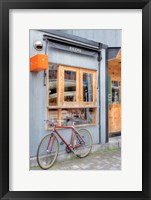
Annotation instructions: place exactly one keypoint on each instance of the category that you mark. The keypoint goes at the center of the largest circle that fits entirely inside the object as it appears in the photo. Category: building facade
(74, 86)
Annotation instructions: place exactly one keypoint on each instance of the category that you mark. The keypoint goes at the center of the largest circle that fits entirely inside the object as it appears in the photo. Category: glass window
(115, 92)
(69, 85)
(53, 72)
(53, 114)
(115, 83)
(115, 96)
(87, 87)
(78, 116)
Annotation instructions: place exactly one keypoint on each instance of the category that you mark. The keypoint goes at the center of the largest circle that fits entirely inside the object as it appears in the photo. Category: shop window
(72, 94)
(53, 72)
(116, 92)
(78, 116)
(53, 114)
(69, 85)
(87, 87)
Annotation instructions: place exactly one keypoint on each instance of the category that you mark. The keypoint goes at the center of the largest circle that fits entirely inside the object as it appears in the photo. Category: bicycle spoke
(47, 151)
(82, 144)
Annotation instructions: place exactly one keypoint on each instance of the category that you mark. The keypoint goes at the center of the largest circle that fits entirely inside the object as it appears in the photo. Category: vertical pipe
(107, 110)
(45, 74)
(99, 85)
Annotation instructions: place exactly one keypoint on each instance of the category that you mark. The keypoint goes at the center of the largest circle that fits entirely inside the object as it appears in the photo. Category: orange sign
(38, 62)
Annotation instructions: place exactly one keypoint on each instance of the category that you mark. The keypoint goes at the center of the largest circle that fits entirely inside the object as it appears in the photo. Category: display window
(71, 94)
(116, 92)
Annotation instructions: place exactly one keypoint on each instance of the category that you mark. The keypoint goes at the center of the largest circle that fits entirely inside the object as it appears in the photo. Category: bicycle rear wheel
(47, 151)
(82, 149)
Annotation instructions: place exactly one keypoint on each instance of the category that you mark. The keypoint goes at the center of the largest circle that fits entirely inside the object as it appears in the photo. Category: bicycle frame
(73, 131)
(49, 147)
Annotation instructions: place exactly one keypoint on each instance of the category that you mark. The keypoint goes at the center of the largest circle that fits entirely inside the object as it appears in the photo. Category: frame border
(5, 5)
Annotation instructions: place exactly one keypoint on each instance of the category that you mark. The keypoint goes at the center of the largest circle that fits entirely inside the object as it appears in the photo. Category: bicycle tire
(47, 151)
(86, 136)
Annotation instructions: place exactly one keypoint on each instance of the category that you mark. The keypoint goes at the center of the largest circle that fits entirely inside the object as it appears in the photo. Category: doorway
(114, 83)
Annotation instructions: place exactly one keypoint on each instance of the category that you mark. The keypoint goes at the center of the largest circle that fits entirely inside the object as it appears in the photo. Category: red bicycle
(80, 144)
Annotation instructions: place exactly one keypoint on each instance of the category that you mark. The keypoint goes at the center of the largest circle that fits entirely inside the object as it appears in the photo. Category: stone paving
(104, 160)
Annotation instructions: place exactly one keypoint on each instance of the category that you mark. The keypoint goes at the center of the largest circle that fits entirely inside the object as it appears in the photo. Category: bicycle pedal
(61, 143)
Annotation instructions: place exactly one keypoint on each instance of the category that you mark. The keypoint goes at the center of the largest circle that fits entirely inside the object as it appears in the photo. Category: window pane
(53, 85)
(87, 87)
(115, 92)
(52, 115)
(78, 116)
(69, 86)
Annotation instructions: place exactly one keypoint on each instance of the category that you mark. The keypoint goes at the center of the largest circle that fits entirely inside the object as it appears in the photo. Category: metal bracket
(45, 75)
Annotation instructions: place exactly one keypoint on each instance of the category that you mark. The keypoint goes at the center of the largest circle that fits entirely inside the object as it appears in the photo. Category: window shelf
(76, 106)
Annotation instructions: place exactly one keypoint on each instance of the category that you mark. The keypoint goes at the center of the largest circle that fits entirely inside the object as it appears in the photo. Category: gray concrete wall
(38, 93)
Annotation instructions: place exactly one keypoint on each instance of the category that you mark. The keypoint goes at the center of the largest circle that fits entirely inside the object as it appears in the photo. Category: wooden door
(114, 118)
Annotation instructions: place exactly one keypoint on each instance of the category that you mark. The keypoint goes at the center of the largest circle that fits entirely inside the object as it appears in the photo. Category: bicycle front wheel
(47, 151)
(82, 147)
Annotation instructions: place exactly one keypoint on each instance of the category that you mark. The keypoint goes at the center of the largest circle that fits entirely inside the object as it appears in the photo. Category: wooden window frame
(79, 103)
(65, 103)
(93, 72)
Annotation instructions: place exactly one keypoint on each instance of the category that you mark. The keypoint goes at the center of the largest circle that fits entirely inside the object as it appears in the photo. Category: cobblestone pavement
(106, 160)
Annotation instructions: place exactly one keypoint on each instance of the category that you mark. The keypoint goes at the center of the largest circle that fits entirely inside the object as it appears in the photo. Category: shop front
(72, 86)
(114, 81)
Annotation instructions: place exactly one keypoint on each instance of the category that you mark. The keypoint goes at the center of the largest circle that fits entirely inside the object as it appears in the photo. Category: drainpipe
(45, 74)
(99, 87)
(107, 135)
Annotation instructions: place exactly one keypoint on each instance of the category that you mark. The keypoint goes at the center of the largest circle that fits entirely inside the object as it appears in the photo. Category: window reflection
(115, 92)
(69, 86)
(78, 116)
(87, 87)
(53, 114)
(53, 85)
